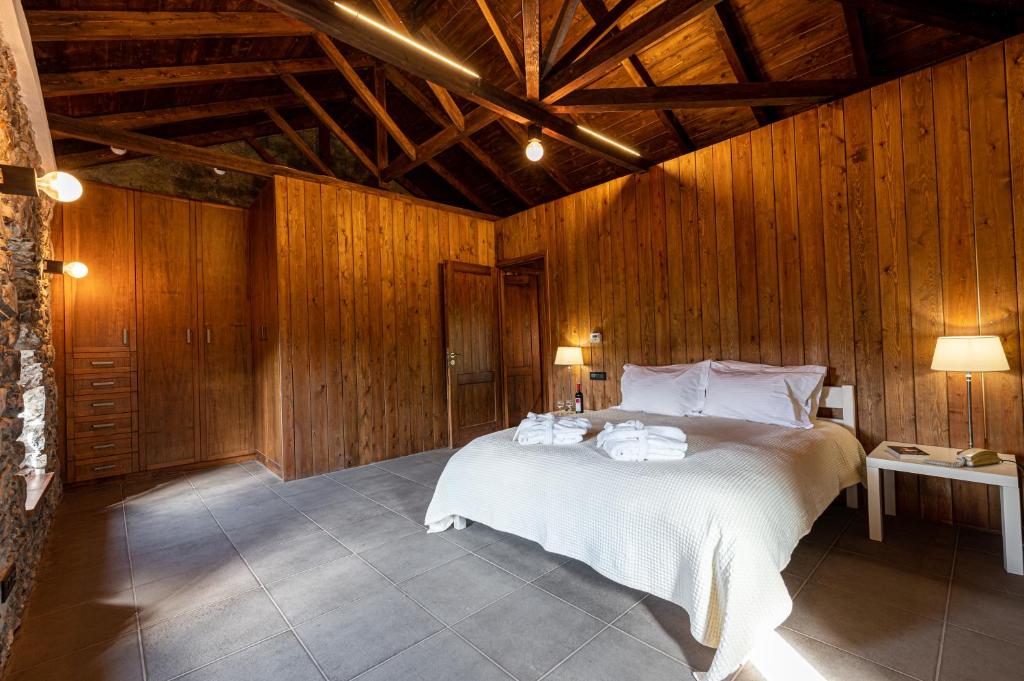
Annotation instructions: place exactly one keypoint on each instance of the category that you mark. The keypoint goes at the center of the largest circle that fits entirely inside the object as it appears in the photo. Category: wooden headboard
(841, 399)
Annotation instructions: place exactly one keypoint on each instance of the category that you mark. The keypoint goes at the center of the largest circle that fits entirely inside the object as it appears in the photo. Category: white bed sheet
(711, 532)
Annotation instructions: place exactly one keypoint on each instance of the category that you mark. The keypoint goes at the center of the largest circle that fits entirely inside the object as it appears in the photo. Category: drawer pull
(209, 338)
(103, 384)
(188, 336)
(99, 426)
(102, 363)
(102, 404)
(105, 445)
(124, 336)
(105, 467)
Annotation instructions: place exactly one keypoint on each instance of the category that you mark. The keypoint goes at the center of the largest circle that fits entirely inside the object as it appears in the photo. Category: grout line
(945, 612)
(832, 545)
(850, 653)
(135, 597)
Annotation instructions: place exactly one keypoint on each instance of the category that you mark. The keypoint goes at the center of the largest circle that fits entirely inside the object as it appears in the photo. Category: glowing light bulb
(534, 150)
(76, 269)
(219, 171)
(60, 186)
(119, 151)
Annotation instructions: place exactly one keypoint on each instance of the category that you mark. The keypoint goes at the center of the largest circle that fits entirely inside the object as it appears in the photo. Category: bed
(711, 532)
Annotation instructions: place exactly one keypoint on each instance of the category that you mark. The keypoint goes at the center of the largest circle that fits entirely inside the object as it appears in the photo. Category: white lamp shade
(569, 356)
(969, 353)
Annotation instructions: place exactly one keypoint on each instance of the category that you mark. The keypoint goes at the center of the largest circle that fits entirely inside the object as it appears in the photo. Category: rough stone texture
(28, 393)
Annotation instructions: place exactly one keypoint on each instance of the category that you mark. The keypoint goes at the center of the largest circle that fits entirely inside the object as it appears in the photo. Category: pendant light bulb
(534, 150)
(219, 171)
(76, 269)
(118, 151)
(60, 186)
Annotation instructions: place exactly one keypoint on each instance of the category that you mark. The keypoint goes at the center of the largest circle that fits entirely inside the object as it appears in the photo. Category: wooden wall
(359, 320)
(851, 236)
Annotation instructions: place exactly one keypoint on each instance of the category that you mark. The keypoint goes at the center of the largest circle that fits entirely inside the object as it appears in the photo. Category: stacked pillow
(784, 396)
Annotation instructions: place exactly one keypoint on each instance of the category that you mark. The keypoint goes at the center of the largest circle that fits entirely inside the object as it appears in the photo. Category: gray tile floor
(231, 574)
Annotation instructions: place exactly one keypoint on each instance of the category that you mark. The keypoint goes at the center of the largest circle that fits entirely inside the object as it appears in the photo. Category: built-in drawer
(101, 364)
(82, 450)
(100, 384)
(103, 468)
(101, 426)
(97, 405)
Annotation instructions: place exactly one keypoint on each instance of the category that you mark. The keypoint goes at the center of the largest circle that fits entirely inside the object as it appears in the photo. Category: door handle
(209, 338)
(188, 336)
(452, 356)
(124, 336)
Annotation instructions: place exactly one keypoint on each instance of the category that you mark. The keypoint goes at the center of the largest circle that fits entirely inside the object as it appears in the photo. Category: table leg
(874, 505)
(1013, 553)
(889, 490)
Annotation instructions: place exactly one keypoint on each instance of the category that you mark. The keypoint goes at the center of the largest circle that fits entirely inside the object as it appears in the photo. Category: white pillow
(782, 398)
(676, 390)
(815, 397)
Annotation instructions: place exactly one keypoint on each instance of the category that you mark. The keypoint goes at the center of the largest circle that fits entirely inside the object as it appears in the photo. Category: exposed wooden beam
(387, 9)
(376, 106)
(531, 47)
(503, 176)
(260, 150)
(332, 125)
(499, 36)
(558, 34)
(459, 186)
(858, 42)
(603, 25)
(74, 26)
(416, 96)
(122, 80)
(990, 22)
(380, 94)
(323, 15)
(645, 31)
(296, 139)
(708, 96)
(447, 138)
(738, 53)
(547, 164)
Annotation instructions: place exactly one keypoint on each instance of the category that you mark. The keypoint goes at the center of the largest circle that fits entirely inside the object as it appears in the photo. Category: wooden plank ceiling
(203, 72)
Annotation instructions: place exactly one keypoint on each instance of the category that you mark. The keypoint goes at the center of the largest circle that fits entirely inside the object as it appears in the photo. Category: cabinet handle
(102, 404)
(102, 384)
(188, 336)
(107, 445)
(124, 336)
(100, 426)
(103, 363)
(105, 467)
(209, 339)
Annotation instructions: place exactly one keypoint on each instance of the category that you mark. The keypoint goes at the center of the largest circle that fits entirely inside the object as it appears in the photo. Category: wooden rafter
(381, 137)
(531, 47)
(447, 138)
(548, 165)
(420, 100)
(858, 43)
(325, 119)
(603, 25)
(296, 139)
(734, 43)
(499, 36)
(459, 186)
(708, 96)
(602, 58)
(959, 16)
(73, 25)
(558, 34)
(260, 150)
(323, 145)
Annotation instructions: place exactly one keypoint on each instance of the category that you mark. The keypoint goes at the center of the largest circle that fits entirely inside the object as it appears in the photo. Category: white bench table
(1003, 475)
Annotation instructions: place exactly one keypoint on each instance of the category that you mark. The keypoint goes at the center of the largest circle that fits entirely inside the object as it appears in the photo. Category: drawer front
(101, 364)
(101, 426)
(104, 468)
(119, 445)
(97, 405)
(100, 384)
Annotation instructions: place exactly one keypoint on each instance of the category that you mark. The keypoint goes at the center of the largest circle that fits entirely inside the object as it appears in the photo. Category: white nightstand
(1003, 475)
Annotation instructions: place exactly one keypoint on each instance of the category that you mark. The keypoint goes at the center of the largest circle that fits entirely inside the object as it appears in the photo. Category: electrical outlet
(598, 376)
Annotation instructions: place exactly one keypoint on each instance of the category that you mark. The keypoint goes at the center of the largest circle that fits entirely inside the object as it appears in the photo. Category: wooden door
(168, 329)
(472, 350)
(227, 382)
(520, 346)
(99, 231)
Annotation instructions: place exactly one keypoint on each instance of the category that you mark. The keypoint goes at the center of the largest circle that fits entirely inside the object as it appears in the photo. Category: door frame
(536, 263)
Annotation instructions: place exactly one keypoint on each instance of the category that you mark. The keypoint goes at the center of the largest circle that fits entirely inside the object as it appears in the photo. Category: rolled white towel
(633, 441)
(547, 429)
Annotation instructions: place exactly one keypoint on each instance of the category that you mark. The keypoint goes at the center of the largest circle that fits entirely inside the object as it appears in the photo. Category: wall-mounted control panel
(595, 337)
(598, 376)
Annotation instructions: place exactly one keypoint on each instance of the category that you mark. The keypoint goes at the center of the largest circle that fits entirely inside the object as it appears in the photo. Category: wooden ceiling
(659, 76)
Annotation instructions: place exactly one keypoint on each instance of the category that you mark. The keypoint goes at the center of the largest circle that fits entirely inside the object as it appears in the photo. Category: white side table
(1003, 475)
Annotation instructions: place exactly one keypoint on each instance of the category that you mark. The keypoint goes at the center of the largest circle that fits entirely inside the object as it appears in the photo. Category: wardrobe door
(168, 331)
(227, 380)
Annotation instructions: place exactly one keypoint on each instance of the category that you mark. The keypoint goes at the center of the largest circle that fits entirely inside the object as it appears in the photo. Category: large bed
(711, 532)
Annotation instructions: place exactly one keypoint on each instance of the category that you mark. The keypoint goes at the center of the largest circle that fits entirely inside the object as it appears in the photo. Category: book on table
(907, 452)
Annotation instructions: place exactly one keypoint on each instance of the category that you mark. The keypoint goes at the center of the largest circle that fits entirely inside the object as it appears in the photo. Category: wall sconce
(74, 269)
(58, 185)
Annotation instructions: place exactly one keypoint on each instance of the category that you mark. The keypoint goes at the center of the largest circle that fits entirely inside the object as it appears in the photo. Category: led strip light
(609, 140)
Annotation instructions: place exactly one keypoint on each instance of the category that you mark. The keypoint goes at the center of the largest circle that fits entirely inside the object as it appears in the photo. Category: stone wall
(28, 394)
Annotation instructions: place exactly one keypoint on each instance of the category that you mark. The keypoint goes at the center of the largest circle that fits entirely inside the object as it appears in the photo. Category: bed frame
(841, 398)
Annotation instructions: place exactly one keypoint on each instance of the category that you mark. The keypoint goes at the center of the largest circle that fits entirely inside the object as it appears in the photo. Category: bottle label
(579, 405)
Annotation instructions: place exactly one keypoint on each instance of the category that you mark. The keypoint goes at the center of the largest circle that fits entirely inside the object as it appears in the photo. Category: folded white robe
(547, 429)
(633, 441)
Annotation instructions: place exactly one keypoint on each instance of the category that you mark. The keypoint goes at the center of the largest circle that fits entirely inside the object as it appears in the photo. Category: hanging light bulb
(219, 171)
(118, 151)
(534, 148)
(76, 269)
(60, 186)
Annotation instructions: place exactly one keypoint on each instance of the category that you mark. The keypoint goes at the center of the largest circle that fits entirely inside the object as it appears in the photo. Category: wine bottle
(579, 399)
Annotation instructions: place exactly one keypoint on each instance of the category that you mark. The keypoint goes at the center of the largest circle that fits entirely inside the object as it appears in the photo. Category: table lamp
(569, 356)
(969, 354)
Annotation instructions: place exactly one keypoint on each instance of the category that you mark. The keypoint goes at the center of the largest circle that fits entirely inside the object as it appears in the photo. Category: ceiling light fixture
(609, 140)
(118, 151)
(405, 39)
(219, 171)
(534, 148)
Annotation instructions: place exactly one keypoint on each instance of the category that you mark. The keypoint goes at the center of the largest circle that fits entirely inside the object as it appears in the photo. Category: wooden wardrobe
(156, 337)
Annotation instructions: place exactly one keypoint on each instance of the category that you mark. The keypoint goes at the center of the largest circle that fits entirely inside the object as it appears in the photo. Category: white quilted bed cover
(711, 532)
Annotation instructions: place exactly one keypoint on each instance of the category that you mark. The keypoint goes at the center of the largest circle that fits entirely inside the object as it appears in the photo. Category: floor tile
(89, 499)
(967, 656)
(340, 513)
(821, 661)
(312, 500)
(460, 588)
(368, 533)
(979, 540)
(254, 512)
(188, 591)
(252, 539)
(277, 659)
(56, 589)
(157, 533)
(613, 656)
(409, 556)
(582, 586)
(522, 557)
(986, 571)
(528, 632)
(288, 558)
(805, 559)
(474, 536)
(887, 635)
(190, 556)
(666, 626)
(304, 596)
(348, 641)
(442, 657)
(184, 643)
(319, 483)
(899, 547)
(995, 613)
(364, 477)
(114, 660)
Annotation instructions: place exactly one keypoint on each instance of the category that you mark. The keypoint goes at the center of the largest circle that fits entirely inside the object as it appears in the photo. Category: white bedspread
(710, 532)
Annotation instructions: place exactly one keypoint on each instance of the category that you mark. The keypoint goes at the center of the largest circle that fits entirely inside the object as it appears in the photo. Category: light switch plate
(595, 337)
